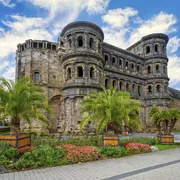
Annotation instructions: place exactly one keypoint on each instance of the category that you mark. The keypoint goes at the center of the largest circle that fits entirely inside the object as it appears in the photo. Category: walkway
(159, 165)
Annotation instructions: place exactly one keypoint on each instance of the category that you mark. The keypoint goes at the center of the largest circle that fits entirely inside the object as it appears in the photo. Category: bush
(108, 151)
(40, 156)
(7, 153)
(75, 154)
(82, 141)
(142, 140)
(136, 148)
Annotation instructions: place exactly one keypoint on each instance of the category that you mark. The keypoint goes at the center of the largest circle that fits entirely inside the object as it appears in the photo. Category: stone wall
(80, 62)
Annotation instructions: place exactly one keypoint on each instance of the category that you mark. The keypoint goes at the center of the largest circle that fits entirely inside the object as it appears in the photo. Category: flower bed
(75, 154)
(136, 148)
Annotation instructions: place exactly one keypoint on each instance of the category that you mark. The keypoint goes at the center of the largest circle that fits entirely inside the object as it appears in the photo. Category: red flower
(135, 148)
(22, 150)
(80, 153)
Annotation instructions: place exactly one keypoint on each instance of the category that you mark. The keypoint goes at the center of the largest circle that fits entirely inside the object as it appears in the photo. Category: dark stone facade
(80, 62)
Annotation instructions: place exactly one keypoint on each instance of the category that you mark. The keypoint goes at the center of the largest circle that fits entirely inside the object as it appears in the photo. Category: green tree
(164, 120)
(22, 101)
(110, 108)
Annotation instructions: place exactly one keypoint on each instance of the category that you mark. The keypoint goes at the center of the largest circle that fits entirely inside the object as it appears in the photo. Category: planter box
(165, 139)
(125, 133)
(17, 141)
(4, 128)
(110, 141)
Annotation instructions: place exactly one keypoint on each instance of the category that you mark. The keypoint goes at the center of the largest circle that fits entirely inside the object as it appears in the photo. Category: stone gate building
(80, 62)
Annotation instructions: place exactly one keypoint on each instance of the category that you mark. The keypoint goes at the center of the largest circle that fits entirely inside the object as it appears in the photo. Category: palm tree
(164, 120)
(110, 108)
(22, 101)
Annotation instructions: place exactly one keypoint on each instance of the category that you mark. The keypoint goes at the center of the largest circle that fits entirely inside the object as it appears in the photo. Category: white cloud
(9, 41)
(22, 23)
(9, 73)
(174, 70)
(160, 23)
(118, 25)
(124, 27)
(7, 3)
(71, 6)
(173, 44)
(20, 28)
(119, 18)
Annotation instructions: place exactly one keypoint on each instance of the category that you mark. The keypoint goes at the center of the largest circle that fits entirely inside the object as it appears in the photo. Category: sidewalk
(158, 165)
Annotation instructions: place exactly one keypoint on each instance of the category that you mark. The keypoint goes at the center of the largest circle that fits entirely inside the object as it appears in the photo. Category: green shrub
(40, 156)
(4, 160)
(11, 153)
(82, 141)
(142, 140)
(7, 153)
(108, 151)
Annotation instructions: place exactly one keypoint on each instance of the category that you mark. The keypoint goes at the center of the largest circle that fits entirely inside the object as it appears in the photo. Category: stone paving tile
(171, 172)
(103, 169)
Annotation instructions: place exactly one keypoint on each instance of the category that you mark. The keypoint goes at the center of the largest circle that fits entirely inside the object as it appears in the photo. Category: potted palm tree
(108, 110)
(22, 101)
(165, 121)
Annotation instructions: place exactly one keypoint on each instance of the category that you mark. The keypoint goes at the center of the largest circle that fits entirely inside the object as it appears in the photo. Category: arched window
(99, 47)
(133, 88)
(132, 66)
(106, 58)
(165, 88)
(80, 41)
(157, 68)
(138, 68)
(54, 47)
(149, 89)
(70, 42)
(158, 88)
(139, 90)
(91, 41)
(36, 77)
(126, 64)
(114, 83)
(79, 71)
(68, 73)
(113, 60)
(127, 86)
(106, 83)
(156, 48)
(120, 62)
(147, 49)
(149, 69)
(120, 86)
(34, 44)
(91, 72)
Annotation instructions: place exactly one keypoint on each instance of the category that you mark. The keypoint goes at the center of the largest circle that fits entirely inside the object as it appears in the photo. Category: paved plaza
(153, 166)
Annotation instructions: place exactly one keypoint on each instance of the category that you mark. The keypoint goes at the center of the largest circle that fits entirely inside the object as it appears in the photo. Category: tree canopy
(22, 100)
(110, 108)
(164, 120)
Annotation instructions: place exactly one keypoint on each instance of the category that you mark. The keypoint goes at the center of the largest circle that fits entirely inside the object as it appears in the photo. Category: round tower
(82, 65)
(155, 71)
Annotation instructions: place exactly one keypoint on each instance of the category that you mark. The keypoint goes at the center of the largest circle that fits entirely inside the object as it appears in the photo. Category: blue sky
(123, 21)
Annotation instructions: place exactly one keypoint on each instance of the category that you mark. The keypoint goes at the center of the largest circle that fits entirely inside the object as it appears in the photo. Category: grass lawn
(5, 132)
(177, 130)
(165, 147)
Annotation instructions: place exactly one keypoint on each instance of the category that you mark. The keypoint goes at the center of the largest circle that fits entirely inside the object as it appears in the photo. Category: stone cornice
(122, 51)
(81, 53)
(81, 24)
